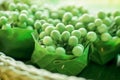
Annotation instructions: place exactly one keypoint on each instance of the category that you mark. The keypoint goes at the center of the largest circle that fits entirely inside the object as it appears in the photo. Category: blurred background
(92, 5)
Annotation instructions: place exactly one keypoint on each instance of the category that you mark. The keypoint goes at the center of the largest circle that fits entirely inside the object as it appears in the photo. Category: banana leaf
(95, 71)
(103, 52)
(65, 64)
(17, 43)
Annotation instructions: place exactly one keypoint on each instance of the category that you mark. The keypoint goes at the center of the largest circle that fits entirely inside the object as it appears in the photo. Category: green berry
(106, 37)
(3, 20)
(30, 21)
(116, 13)
(73, 41)
(6, 26)
(56, 21)
(37, 24)
(22, 24)
(12, 6)
(38, 15)
(107, 21)
(33, 8)
(60, 27)
(102, 28)
(91, 26)
(75, 12)
(61, 13)
(45, 25)
(79, 25)
(91, 36)
(83, 32)
(85, 18)
(30, 28)
(42, 35)
(92, 18)
(67, 16)
(24, 12)
(51, 21)
(54, 15)
(60, 51)
(74, 20)
(101, 15)
(19, 6)
(65, 36)
(49, 29)
(81, 46)
(50, 48)
(42, 21)
(47, 40)
(69, 28)
(77, 51)
(44, 17)
(14, 15)
(55, 34)
(98, 22)
(117, 20)
(76, 33)
(25, 7)
(118, 33)
(23, 17)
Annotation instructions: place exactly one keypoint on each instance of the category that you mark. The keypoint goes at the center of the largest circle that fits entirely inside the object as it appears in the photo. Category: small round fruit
(67, 16)
(77, 51)
(47, 40)
(107, 21)
(91, 26)
(118, 33)
(12, 6)
(60, 27)
(91, 36)
(83, 32)
(101, 15)
(69, 28)
(55, 34)
(117, 20)
(73, 41)
(102, 28)
(79, 25)
(23, 17)
(60, 51)
(98, 22)
(3, 20)
(49, 29)
(76, 33)
(30, 21)
(50, 48)
(65, 36)
(37, 24)
(85, 18)
(106, 37)
(42, 35)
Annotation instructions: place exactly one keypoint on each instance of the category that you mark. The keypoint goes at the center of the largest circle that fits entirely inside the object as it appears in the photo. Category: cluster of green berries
(65, 30)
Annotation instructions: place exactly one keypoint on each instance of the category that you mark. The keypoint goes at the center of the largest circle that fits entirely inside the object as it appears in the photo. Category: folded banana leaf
(103, 52)
(95, 71)
(17, 43)
(65, 64)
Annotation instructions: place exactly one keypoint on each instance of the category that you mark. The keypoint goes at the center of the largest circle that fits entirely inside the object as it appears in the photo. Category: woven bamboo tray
(17, 70)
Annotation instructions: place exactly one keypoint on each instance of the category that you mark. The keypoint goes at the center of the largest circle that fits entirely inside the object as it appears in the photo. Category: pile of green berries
(59, 30)
(65, 30)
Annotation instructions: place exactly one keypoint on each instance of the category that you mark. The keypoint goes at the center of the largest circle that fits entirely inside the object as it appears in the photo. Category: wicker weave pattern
(17, 70)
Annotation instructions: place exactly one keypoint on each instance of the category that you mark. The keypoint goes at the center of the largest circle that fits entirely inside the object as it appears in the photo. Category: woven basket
(17, 70)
